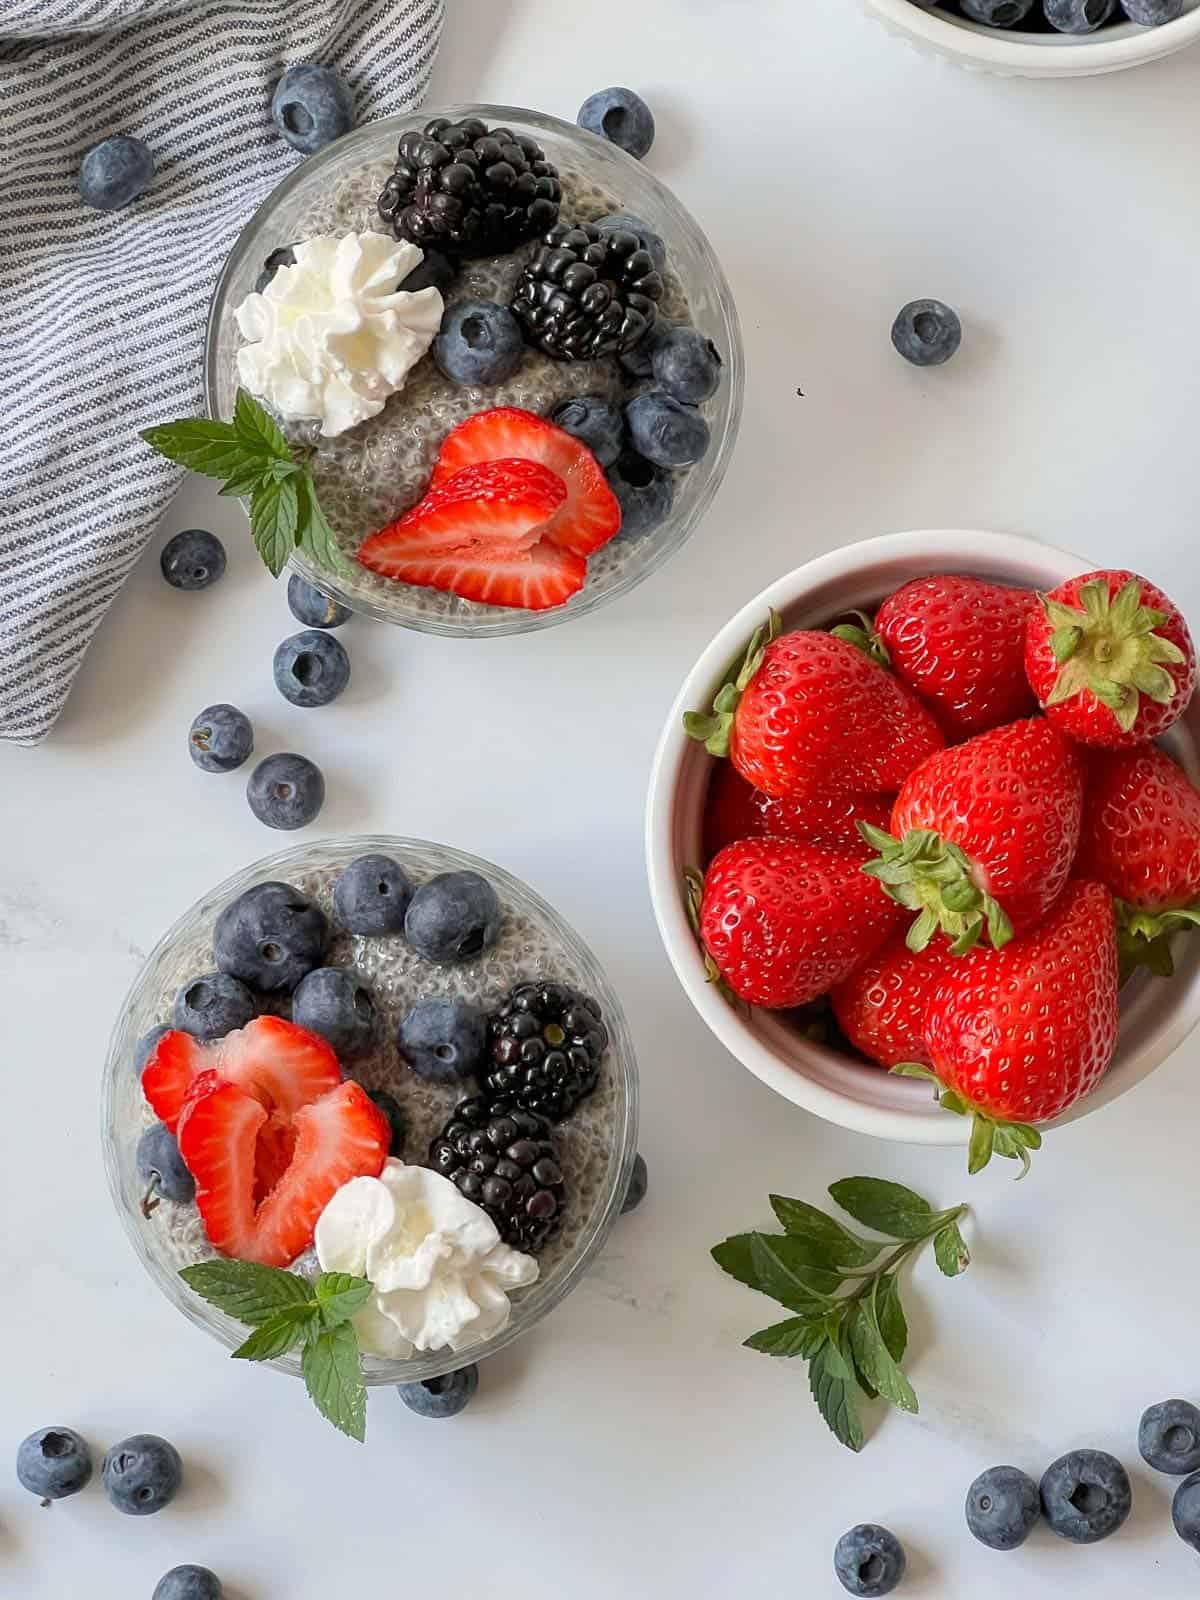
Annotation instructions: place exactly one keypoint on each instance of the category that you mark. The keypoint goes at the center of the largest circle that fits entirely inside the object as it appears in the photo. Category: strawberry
(1141, 839)
(496, 505)
(733, 810)
(806, 713)
(532, 580)
(591, 515)
(270, 1217)
(1110, 659)
(881, 1006)
(983, 835)
(1015, 1036)
(782, 921)
(282, 1066)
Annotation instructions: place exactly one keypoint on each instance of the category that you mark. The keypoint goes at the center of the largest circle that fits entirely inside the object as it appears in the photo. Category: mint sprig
(284, 1311)
(252, 458)
(848, 1320)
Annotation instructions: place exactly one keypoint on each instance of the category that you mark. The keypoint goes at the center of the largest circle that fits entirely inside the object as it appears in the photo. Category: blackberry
(588, 292)
(469, 190)
(547, 1042)
(503, 1158)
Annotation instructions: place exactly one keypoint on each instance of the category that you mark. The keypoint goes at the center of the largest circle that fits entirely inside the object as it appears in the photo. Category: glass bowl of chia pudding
(377, 470)
(597, 1142)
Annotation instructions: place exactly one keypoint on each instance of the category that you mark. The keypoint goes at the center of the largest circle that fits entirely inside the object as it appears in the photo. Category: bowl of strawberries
(923, 837)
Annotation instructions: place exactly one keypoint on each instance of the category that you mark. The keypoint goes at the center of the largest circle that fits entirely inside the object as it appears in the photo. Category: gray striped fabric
(102, 313)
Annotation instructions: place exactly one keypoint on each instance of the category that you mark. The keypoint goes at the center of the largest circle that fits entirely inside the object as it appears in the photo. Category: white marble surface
(630, 1447)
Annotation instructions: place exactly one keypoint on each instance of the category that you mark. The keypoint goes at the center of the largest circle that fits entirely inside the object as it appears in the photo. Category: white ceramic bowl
(1012, 53)
(1156, 1014)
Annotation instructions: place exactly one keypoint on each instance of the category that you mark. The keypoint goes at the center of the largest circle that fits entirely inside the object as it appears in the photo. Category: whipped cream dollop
(332, 337)
(441, 1272)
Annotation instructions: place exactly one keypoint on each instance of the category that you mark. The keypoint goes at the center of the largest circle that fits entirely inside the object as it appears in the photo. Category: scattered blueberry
(213, 1005)
(396, 1120)
(441, 1397)
(1086, 1495)
(1152, 13)
(193, 559)
(666, 433)
(286, 791)
(869, 1560)
(996, 14)
(372, 896)
(435, 271)
(686, 365)
(147, 1045)
(443, 1040)
(594, 423)
(1003, 1507)
(54, 1463)
(1185, 1511)
(480, 344)
(114, 172)
(311, 668)
(454, 917)
(188, 1583)
(285, 256)
(314, 609)
(927, 333)
(333, 1003)
(220, 739)
(626, 222)
(1078, 16)
(621, 117)
(159, 1164)
(270, 937)
(639, 1182)
(312, 106)
(645, 494)
(142, 1474)
(1169, 1437)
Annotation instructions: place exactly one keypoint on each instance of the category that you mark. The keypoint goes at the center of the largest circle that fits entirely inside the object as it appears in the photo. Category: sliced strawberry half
(280, 1065)
(591, 515)
(342, 1135)
(533, 580)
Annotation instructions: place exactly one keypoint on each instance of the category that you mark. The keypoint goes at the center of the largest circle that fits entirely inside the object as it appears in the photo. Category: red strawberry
(808, 713)
(279, 1064)
(783, 921)
(500, 506)
(881, 1006)
(342, 1135)
(591, 515)
(1110, 659)
(960, 644)
(1018, 1035)
(983, 835)
(733, 810)
(532, 580)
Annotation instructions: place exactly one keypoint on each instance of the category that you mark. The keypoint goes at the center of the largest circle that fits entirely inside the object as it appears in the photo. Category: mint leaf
(893, 1324)
(832, 1384)
(276, 1336)
(873, 1359)
(212, 448)
(247, 479)
(316, 538)
(762, 1262)
(258, 429)
(841, 1247)
(887, 1207)
(339, 1296)
(798, 1336)
(244, 1290)
(274, 512)
(333, 1376)
(950, 1250)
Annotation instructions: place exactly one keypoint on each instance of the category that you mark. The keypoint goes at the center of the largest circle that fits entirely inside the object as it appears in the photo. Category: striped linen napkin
(102, 313)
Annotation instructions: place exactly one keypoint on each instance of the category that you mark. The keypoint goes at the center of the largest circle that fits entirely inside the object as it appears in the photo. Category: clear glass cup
(598, 1144)
(621, 565)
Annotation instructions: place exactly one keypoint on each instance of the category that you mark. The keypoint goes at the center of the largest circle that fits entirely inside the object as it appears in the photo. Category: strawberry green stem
(1144, 937)
(990, 1136)
(1108, 646)
(863, 637)
(927, 874)
(712, 729)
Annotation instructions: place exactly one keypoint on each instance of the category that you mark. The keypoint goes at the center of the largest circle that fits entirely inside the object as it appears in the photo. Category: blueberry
(686, 365)
(142, 1474)
(1152, 13)
(147, 1045)
(441, 1397)
(114, 172)
(997, 13)
(621, 117)
(454, 917)
(1086, 1496)
(285, 256)
(639, 1182)
(435, 271)
(54, 1463)
(161, 1168)
(336, 1005)
(213, 1005)
(312, 106)
(270, 937)
(286, 791)
(193, 559)
(396, 1120)
(480, 344)
(311, 668)
(372, 896)
(314, 609)
(927, 333)
(220, 738)
(1078, 16)
(666, 433)
(443, 1040)
(1169, 1437)
(639, 362)
(188, 1583)
(1003, 1507)
(1185, 1511)
(869, 1560)
(644, 494)
(626, 222)
(594, 423)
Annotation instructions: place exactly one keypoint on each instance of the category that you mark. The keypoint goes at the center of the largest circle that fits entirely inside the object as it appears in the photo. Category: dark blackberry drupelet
(547, 1043)
(503, 1158)
(588, 292)
(469, 190)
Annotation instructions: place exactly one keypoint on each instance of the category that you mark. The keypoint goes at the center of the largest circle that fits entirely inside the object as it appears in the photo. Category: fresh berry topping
(441, 1397)
(686, 364)
(595, 423)
(148, 1044)
(869, 1561)
(881, 1007)
(626, 222)
(286, 791)
(480, 344)
(433, 271)
(285, 256)
(314, 609)
(311, 668)
(620, 116)
(588, 293)
(332, 1002)
(395, 1118)
(1003, 1508)
(503, 1158)
(270, 936)
(54, 1463)
(644, 493)
(312, 106)
(453, 917)
(161, 1168)
(666, 433)
(114, 172)
(1169, 1437)
(142, 1474)
(532, 580)
(220, 739)
(1086, 1496)
(443, 1039)
(214, 1004)
(639, 1183)
(193, 559)
(372, 895)
(734, 810)
(547, 1043)
(926, 332)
